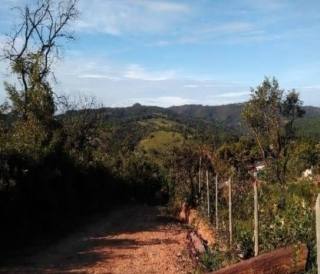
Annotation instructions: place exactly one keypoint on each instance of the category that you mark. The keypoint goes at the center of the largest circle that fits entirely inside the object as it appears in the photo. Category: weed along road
(137, 239)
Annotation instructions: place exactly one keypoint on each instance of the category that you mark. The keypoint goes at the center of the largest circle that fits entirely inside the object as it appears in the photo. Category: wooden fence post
(318, 230)
(199, 182)
(256, 222)
(208, 194)
(230, 211)
(216, 202)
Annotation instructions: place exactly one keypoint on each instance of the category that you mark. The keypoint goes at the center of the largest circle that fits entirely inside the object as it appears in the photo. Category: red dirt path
(136, 239)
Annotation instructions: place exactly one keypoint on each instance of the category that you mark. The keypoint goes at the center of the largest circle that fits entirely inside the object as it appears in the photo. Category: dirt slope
(129, 240)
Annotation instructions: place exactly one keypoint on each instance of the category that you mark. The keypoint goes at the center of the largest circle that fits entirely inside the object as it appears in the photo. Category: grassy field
(159, 143)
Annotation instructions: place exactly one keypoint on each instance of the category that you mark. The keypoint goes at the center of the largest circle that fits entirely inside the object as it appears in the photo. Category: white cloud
(267, 5)
(135, 71)
(130, 16)
(12, 3)
(123, 85)
(96, 69)
(165, 6)
(230, 27)
(246, 21)
(234, 95)
(132, 71)
(235, 31)
(98, 76)
(191, 86)
(162, 101)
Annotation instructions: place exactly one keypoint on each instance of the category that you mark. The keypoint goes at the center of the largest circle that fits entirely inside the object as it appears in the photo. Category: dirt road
(136, 239)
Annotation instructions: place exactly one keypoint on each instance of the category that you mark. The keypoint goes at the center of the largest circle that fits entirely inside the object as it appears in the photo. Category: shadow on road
(101, 241)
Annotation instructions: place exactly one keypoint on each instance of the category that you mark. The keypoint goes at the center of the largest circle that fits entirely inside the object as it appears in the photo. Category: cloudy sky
(162, 52)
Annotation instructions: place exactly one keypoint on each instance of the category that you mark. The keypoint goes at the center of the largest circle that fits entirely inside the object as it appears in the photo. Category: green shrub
(246, 243)
(212, 259)
(287, 218)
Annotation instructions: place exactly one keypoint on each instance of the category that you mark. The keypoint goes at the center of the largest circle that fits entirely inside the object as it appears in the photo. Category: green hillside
(220, 120)
(159, 143)
(309, 127)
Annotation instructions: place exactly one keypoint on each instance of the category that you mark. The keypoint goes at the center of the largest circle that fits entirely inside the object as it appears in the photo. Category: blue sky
(161, 52)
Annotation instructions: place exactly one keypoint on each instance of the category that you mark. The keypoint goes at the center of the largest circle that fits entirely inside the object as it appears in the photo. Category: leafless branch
(41, 30)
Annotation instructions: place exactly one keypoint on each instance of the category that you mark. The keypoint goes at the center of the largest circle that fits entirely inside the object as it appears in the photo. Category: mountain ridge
(228, 114)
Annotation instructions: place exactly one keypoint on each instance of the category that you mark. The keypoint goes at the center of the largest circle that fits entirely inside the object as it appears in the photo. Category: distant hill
(312, 111)
(227, 115)
(153, 130)
(221, 113)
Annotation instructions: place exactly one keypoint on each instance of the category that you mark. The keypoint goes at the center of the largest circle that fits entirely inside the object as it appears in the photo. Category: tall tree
(270, 115)
(31, 51)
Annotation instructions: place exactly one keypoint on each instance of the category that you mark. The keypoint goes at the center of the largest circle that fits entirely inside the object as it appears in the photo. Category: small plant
(212, 259)
(312, 259)
(246, 244)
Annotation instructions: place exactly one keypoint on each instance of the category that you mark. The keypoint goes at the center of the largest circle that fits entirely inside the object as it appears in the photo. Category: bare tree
(33, 47)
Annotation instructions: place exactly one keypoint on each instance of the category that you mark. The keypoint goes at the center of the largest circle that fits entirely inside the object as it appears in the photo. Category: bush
(246, 244)
(287, 218)
(212, 259)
